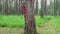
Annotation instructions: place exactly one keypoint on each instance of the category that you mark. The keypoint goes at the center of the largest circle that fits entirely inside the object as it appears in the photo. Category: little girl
(23, 9)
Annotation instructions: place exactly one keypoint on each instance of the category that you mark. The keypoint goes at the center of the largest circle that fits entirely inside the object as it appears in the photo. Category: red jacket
(24, 10)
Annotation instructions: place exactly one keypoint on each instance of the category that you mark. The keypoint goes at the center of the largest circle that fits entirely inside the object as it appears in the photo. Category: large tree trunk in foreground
(30, 27)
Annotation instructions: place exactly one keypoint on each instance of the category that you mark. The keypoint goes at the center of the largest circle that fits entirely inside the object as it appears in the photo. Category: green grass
(56, 22)
(51, 26)
(18, 21)
(40, 21)
(12, 21)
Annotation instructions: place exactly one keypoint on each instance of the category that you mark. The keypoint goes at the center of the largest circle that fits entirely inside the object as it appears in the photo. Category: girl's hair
(23, 3)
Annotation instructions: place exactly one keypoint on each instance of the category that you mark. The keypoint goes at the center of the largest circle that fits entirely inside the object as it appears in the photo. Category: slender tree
(42, 8)
(6, 7)
(36, 7)
(0, 6)
(55, 7)
(16, 7)
(45, 7)
(30, 27)
(20, 6)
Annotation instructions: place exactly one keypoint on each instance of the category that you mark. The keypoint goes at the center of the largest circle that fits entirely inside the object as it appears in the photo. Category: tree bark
(42, 8)
(45, 7)
(20, 7)
(36, 7)
(55, 7)
(16, 8)
(30, 27)
(0, 6)
(6, 8)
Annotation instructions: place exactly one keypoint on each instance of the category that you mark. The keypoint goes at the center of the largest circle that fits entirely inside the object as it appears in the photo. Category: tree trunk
(36, 7)
(19, 6)
(55, 7)
(16, 7)
(30, 27)
(45, 7)
(0, 6)
(6, 8)
(42, 8)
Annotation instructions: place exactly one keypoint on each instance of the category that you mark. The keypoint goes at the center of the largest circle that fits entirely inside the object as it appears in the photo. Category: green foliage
(40, 21)
(18, 21)
(12, 21)
(56, 22)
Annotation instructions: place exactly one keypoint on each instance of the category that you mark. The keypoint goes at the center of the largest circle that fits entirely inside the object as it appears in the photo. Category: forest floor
(6, 30)
(46, 28)
(15, 25)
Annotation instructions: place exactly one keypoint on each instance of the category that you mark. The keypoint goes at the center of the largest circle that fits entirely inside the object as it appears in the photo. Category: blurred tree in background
(13, 7)
(0, 6)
